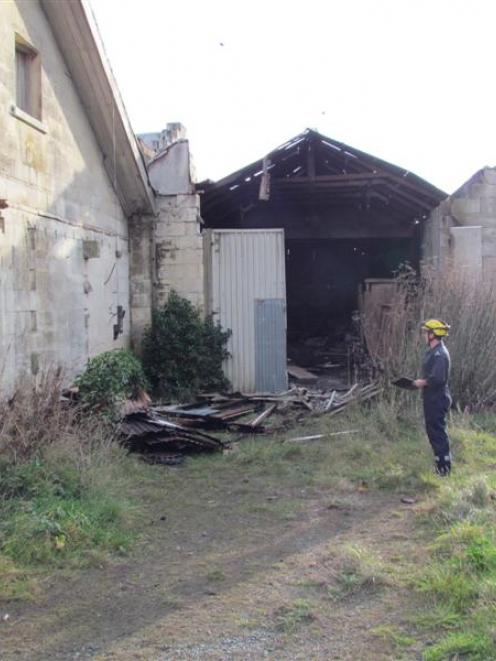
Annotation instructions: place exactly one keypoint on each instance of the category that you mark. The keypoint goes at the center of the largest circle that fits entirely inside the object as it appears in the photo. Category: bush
(62, 480)
(182, 353)
(469, 306)
(110, 378)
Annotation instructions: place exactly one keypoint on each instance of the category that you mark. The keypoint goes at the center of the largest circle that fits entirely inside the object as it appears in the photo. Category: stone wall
(64, 258)
(178, 258)
(471, 206)
(141, 232)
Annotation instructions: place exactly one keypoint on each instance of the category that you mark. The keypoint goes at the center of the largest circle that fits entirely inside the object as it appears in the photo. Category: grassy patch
(356, 570)
(458, 581)
(63, 499)
(292, 616)
(54, 513)
(394, 636)
(462, 644)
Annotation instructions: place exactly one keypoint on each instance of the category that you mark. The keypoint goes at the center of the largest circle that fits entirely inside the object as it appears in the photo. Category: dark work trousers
(436, 407)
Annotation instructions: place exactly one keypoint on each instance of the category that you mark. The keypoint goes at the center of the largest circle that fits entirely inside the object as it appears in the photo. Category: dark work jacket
(436, 370)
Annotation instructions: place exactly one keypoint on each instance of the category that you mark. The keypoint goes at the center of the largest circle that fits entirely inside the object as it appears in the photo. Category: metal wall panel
(243, 266)
(270, 345)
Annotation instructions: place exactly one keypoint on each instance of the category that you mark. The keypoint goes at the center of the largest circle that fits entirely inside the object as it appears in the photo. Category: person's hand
(420, 383)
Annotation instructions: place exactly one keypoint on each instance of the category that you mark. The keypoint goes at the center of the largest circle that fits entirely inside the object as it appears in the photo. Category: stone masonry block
(191, 243)
(140, 300)
(482, 190)
(488, 205)
(188, 201)
(489, 269)
(463, 206)
(180, 268)
(489, 249)
(172, 230)
(490, 176)
(140, 286)
(141, 316)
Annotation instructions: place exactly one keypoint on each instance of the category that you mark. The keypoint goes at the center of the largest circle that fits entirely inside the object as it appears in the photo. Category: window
(28, 78)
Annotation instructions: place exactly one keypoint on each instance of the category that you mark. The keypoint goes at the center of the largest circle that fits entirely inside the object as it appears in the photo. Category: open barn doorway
(348, 218)
(323, 280)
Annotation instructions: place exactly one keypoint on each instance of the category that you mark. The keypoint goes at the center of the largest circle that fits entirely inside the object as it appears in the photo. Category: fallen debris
(164, 434)
(301, 373)
(317, 436)
(162, 441)
(260, 418)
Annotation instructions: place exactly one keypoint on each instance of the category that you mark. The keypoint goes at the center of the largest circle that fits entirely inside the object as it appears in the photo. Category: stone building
(86, 244)
(461, 231)
(97, 227)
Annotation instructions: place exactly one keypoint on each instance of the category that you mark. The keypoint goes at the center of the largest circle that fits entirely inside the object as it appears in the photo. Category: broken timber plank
(301, 373)
(330, 401)
(265, 414)
(317, 436)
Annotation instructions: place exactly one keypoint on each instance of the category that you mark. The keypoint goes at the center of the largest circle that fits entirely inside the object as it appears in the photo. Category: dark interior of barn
(348, 217)
(323, 278)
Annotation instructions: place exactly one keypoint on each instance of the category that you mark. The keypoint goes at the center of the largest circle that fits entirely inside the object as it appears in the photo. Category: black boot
(443, 465)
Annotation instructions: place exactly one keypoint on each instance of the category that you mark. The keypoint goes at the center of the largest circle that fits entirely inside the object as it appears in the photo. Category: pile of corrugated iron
(165, 434)
(151, 431)
(161, 441)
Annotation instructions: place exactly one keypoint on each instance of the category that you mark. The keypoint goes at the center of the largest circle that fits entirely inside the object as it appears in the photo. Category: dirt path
(214, 578)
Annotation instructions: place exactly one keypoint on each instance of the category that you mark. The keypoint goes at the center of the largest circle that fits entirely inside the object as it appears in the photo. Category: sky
(409, 81)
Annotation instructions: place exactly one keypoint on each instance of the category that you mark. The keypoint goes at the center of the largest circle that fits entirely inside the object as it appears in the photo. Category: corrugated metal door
(246, 292)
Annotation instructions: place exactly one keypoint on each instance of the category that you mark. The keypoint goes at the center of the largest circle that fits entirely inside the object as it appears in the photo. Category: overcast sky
(410, 81)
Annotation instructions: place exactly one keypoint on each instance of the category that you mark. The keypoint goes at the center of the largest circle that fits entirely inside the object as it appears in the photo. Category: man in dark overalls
(435, 392)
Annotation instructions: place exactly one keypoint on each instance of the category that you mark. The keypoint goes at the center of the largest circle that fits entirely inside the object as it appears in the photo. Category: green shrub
(182, 353)
(110, 378)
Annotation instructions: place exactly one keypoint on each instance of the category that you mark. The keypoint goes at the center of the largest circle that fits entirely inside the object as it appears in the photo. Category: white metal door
(246, 292)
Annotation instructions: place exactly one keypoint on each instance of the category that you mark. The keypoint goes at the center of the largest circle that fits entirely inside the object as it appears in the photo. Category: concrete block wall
(178, 243)
(56, 307)
(141, 230)
(472, 205)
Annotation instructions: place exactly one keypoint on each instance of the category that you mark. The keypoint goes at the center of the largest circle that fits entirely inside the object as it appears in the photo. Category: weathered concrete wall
(178, 249)
(56, 307)
(170, 171)
(473, 205)
(141, 233)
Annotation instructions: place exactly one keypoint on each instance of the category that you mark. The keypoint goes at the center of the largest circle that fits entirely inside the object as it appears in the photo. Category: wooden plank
(314, 437)
(263, 416)
(301, 373)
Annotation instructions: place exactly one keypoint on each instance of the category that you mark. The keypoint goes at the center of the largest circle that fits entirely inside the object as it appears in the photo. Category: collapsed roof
(314, 169)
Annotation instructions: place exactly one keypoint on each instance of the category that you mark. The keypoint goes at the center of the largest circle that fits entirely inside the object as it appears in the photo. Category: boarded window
(28, 78)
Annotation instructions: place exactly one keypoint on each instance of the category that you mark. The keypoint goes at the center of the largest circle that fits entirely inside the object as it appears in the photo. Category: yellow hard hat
(436, 327)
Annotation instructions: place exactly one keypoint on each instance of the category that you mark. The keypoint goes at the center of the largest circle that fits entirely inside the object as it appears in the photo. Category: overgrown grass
(356, 570)
(468, 304)
(62, 503)
(458, 582)
(63, 488)
(453, 581)
(290, 617)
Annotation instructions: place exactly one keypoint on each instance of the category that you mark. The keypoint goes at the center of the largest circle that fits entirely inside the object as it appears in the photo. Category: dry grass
(469, 306)
(35, 420)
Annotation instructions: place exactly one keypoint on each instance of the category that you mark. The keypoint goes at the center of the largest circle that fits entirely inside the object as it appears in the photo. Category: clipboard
(405, 383)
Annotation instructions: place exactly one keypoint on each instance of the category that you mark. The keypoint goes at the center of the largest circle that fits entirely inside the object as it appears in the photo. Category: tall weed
(62, 480)
(468, 305)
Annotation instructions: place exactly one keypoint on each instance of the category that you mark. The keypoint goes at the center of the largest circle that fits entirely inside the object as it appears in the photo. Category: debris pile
(165, 434)
(161, 441)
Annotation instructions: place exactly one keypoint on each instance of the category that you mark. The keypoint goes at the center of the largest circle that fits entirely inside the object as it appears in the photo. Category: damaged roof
(321, 170)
